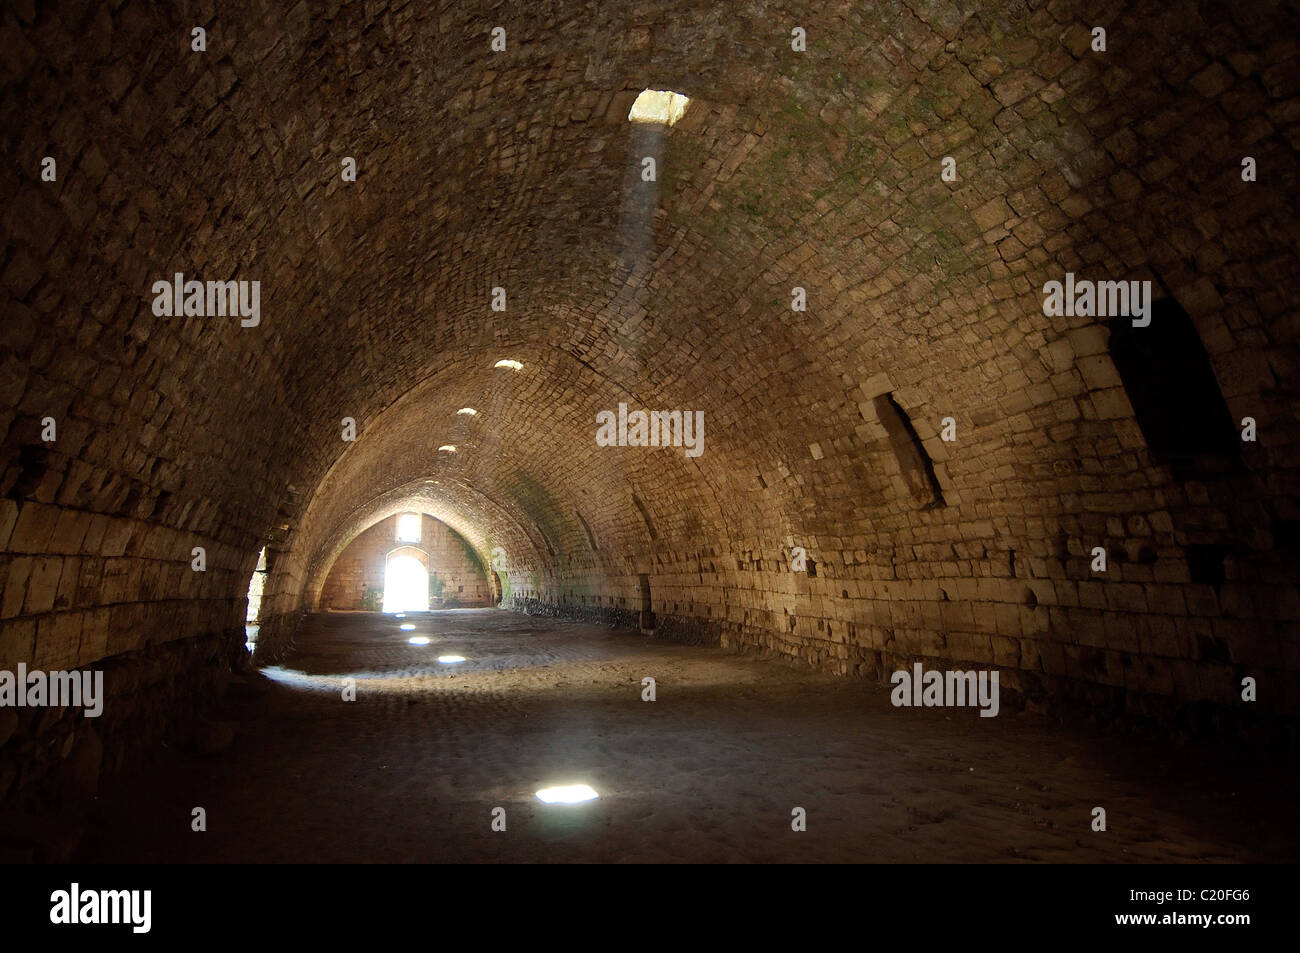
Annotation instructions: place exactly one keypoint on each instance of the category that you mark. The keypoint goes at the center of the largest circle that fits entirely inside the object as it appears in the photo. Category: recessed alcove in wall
(1175, 394)
(914, 462)
(450, 570)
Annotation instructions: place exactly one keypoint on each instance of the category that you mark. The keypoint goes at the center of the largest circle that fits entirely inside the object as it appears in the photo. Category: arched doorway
(406, 584)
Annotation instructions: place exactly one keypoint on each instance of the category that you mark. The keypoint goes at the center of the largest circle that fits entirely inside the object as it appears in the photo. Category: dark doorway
(647, 615)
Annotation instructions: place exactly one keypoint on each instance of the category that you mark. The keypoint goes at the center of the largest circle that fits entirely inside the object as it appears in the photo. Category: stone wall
(52, 758)
(447, 556)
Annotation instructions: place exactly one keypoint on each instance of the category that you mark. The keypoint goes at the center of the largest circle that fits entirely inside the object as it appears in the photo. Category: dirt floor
(709, 772)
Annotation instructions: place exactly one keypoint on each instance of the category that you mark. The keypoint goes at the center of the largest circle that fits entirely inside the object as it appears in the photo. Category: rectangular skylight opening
(659, 105)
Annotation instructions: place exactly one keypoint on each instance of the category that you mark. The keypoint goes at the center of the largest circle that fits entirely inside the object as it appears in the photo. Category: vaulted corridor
(909, 388)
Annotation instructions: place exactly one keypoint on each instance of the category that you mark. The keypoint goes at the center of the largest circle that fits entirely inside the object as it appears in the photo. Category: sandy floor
(710, 771)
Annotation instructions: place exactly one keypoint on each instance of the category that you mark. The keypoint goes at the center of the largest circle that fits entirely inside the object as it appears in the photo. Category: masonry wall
(361, 566)
(86, 591)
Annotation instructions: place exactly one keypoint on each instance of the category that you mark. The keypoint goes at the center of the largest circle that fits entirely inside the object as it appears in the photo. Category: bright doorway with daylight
(406, 585)
(256, 588)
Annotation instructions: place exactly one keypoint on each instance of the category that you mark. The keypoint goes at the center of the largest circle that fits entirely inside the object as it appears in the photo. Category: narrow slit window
(645, 515)
(256, 589)
(591, 539)
(913, 460)
(408, 528)
(256, 586)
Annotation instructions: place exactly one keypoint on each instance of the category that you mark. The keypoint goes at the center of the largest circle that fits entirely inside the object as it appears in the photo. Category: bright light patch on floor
(567, 794)
(513, 365)
(447, 448)
(659, 105)
(418, 639)
(450, 659)
(467, 411)
(406, 627)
